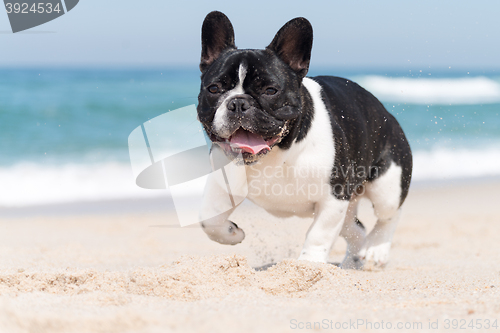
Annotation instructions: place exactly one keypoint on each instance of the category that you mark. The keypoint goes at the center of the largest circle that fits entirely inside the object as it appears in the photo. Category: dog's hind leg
(385, 194)
(354, 234)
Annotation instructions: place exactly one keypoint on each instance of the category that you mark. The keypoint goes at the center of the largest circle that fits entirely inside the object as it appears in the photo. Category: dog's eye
(213, 89)
(271, 91)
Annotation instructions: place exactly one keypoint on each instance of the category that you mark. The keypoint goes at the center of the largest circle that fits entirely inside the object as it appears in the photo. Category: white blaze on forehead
(220, 118)
(242, 73)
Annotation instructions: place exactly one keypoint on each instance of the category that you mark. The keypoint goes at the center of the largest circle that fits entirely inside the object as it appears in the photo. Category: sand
(126, 271)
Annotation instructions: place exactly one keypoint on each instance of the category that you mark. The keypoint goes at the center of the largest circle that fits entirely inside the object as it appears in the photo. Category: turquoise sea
(63, 132)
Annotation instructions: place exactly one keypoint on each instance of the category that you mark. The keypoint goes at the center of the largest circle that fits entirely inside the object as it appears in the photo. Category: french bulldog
(311, 146)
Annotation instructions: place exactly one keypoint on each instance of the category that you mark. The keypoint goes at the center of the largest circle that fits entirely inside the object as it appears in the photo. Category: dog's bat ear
(217, 35)
(293, 44)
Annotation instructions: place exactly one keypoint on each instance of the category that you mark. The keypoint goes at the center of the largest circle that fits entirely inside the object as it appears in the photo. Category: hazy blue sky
(394, 34)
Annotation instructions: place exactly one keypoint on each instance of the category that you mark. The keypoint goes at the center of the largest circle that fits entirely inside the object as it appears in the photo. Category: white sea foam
(32, 184)
(473, 90)
(442, 164)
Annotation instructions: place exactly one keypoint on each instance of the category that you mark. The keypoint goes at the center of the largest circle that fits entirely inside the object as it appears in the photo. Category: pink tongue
(248, 142)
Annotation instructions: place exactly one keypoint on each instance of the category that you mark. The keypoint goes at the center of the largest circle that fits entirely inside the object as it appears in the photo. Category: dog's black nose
(238, 104)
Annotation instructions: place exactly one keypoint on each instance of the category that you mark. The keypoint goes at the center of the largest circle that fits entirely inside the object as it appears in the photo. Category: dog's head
(249, 99)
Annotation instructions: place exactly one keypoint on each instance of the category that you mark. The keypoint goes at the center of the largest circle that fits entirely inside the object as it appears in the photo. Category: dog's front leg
(216, 209)
(329, 217)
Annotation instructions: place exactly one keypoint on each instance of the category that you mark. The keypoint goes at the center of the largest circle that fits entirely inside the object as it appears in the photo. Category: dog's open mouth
(250, 145)
(247, 143)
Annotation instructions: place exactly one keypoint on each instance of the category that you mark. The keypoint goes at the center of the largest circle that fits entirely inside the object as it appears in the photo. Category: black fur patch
(300, 126)
(367, 137)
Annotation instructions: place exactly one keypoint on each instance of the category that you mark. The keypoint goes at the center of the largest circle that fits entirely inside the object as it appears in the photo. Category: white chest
(290, 182)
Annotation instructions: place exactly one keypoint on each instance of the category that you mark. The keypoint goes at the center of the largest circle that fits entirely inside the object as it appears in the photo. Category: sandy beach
(117, 267)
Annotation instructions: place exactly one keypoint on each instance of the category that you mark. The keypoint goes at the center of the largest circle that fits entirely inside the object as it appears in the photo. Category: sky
(347, 34)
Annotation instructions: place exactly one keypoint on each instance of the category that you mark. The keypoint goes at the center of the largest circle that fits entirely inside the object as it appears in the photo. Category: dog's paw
(228, 233)
(375, 255)
(313, 256)
(352, 262)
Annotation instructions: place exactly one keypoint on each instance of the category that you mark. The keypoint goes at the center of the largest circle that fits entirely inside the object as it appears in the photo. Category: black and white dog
(311, 146)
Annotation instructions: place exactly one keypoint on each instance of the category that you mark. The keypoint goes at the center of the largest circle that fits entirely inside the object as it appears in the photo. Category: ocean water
(63, 132)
